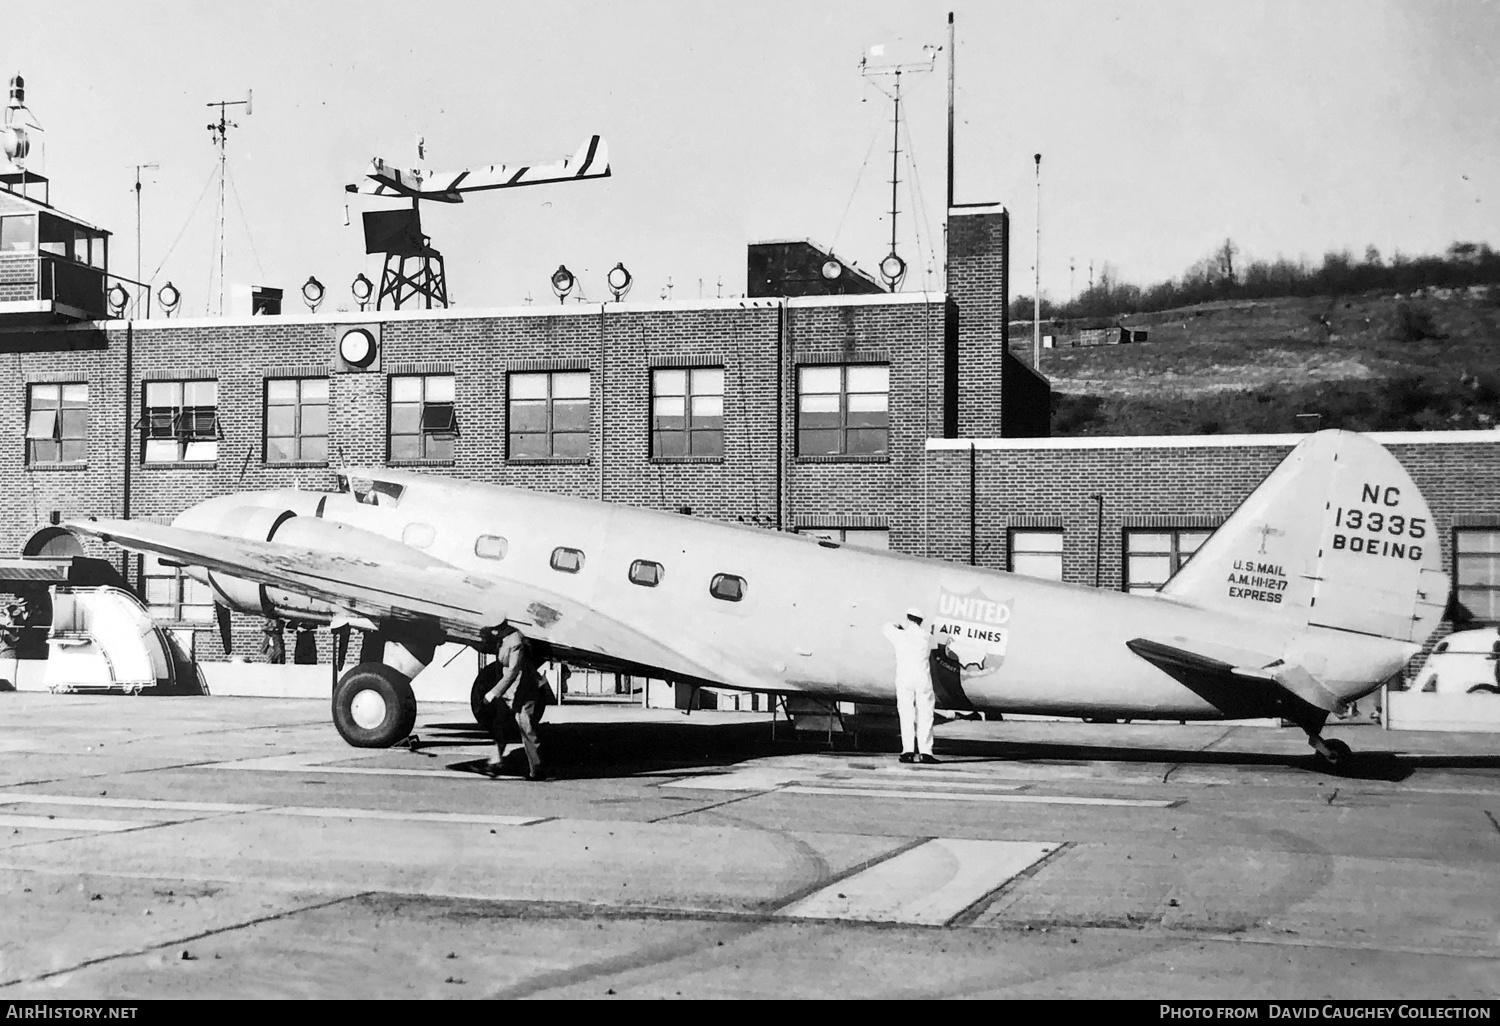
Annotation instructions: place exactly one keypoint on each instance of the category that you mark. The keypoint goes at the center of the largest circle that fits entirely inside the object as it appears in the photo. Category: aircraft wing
(462, 603)
(1219, 673)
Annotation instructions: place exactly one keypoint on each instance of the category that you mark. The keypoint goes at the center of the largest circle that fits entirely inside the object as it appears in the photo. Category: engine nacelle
(267, 523)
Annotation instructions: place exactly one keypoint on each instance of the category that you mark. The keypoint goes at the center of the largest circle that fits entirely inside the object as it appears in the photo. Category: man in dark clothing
(517, 697)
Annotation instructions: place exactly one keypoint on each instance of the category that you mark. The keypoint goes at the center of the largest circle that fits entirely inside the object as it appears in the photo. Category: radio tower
(220, 132)
(893, 268)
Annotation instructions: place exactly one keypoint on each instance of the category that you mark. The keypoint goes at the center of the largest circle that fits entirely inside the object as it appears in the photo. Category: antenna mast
(893, 268)
(220, 132)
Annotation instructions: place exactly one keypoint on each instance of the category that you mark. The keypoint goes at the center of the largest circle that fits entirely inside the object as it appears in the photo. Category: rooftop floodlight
(362, 288)
(117, 296)
(893, 269)
(562, 283)
(832, 268)
(169, 297)
(619, 280)
(312, 293)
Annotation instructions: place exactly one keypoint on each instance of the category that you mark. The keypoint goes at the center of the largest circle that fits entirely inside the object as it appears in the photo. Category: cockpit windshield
(371, 492)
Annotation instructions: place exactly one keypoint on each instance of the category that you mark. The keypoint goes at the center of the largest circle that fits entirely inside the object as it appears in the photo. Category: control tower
(53, 268)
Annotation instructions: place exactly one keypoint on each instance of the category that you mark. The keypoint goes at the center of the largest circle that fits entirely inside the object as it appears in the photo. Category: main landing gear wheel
(374, 707)
(484, 712)
(1331, 750)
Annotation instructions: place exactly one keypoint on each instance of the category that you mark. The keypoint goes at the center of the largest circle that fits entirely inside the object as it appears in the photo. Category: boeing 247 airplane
(1321, 586)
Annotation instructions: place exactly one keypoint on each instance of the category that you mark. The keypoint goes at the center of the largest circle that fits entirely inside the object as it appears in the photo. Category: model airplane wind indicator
(398, 233)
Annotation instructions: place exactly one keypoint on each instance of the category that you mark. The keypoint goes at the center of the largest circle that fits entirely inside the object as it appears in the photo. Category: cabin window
(172, 595)
(1476, 572)
(57, 423)
(418, 536)
(1037, 553)
(727, 587)
(423, 421)
(856, 537)
(549, 415)
(646, 573)
(181, 422)
(296, 418)
(687, 412)
(569, 561)
(491, 546)
(1153, 556)
(843, 410)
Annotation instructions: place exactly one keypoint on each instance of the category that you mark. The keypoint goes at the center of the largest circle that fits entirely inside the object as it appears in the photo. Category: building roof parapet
(1204, 441)
(514, 312)
(964, 209)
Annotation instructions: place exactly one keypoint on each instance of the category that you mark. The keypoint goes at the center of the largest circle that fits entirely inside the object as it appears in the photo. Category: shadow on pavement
(1388, 766)
(603, 749)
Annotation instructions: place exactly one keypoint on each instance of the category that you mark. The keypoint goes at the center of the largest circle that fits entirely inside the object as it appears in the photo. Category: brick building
(791, 412)
(884, 419)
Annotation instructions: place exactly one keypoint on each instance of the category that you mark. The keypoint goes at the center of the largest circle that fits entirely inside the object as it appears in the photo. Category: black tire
(1338, 752)
(484, 712)
(373, 706)
(1483, 689)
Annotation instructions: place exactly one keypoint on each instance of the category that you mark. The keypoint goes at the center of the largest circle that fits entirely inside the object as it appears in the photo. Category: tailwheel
(374, 707)
(1332, 751)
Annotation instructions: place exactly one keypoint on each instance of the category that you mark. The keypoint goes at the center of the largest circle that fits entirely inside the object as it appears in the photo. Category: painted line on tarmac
(90, 825)
(927, 885)
(101, 802)
(310, 764)
(307, 811)
(1032, 799)
(418, 817)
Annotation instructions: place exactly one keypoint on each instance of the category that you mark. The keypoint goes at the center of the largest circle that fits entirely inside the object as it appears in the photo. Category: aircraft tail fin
(1337, 536)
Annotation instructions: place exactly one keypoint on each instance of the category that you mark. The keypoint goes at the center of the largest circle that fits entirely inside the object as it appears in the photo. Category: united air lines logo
(976, 624)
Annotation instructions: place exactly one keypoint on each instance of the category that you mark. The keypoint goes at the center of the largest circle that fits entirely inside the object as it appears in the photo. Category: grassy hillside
(1373, 362)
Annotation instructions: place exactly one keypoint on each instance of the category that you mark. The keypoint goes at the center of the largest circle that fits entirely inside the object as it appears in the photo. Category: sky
(1165, 127)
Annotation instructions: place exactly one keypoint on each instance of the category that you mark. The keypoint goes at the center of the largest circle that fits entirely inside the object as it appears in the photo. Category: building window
(18, 234)
(182, 421)
(423, 422)
(1037, 554)
(1476, 576)
(57, 423)
(687, 412)
(174, 596)
(646, 573)
(1153, 556)
(842, 410)
(727, 587)
(549, 415)
(569, 561)
(857, 537)
(297, 420)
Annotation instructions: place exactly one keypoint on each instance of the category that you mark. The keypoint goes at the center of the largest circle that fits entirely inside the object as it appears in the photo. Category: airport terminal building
(817, 403)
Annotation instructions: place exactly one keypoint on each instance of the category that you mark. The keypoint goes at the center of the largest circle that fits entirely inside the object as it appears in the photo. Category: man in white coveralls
(914, 697)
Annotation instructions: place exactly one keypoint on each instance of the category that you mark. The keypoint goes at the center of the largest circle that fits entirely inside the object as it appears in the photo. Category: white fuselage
(810, 615)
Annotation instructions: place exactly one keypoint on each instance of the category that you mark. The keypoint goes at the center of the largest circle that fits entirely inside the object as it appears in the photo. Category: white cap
(914, 613)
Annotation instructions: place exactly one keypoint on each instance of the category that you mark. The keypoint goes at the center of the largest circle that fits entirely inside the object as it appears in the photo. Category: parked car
(1463, 663)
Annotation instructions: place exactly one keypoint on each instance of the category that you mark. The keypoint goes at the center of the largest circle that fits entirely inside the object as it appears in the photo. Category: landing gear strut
(373, 706)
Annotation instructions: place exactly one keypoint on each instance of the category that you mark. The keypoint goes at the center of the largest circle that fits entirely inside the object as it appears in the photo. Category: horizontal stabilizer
(1222, 667)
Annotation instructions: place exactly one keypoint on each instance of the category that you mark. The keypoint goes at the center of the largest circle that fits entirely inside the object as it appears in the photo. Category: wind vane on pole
(219, 130)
